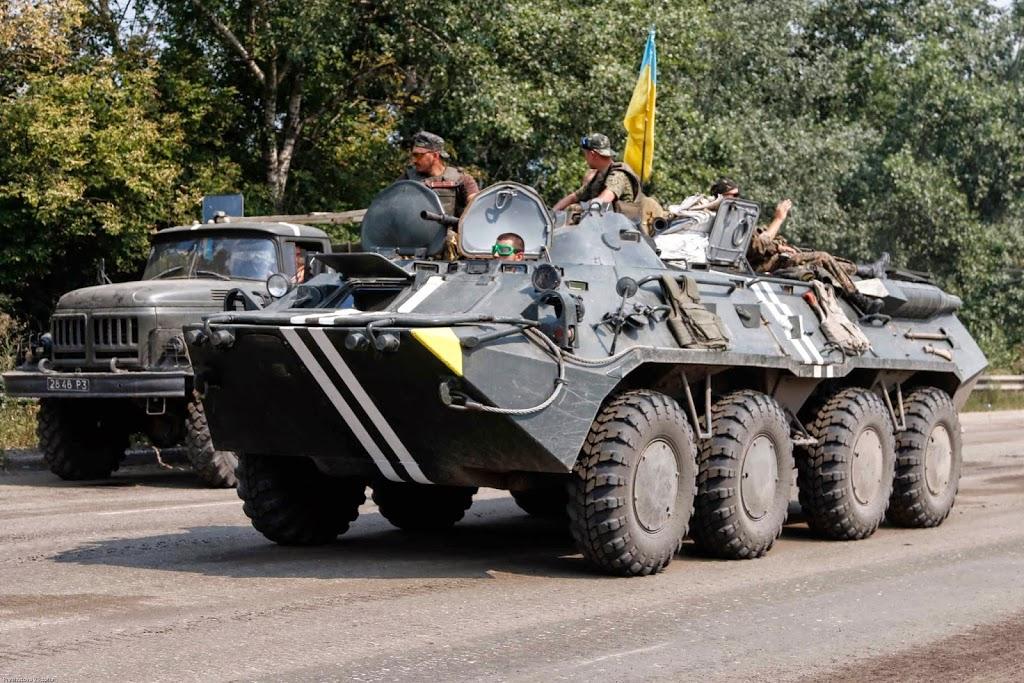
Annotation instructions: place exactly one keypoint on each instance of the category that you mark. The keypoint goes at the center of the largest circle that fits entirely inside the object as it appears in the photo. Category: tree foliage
(893, 124)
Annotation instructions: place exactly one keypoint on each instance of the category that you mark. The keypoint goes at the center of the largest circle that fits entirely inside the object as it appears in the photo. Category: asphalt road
(148, 577)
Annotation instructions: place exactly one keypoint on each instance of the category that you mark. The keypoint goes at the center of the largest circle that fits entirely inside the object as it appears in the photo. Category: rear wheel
(928, 461)
(291, 502)
(215, 468)
(744, 478)
(82, 438)
(846, 479)
(631, 491)
(419, 507)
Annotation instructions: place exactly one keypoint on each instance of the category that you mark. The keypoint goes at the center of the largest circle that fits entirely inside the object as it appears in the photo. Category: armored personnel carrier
(114, 362)
(570, 365)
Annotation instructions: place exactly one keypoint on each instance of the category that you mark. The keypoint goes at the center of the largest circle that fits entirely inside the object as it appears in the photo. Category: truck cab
(115, 363)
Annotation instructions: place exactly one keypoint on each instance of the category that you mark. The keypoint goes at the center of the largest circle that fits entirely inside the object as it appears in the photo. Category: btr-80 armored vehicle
(114, 362)
(585, 375)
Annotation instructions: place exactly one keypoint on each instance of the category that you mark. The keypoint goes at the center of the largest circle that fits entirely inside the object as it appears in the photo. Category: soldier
(508, 247)
(608, 181)
(453, 186)
(769, 252)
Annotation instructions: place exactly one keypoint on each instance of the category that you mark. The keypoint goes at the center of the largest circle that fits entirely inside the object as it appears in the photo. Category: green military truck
(114, 362)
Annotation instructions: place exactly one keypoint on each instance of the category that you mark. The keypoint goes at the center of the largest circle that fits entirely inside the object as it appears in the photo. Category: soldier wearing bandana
(452, 185)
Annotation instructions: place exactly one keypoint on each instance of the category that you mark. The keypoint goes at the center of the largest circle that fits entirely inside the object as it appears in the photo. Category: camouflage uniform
(453, 187)
(622, 180)
(771, 255)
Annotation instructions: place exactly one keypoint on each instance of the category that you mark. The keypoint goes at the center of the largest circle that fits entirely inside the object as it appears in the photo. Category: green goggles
(503, 250)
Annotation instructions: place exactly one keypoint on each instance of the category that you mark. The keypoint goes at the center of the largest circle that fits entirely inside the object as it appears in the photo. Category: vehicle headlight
(278, 285)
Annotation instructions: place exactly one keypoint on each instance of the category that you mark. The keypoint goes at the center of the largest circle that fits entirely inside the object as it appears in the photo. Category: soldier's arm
(469, 186)
(571, 198)
(615, 187)
(781, 211)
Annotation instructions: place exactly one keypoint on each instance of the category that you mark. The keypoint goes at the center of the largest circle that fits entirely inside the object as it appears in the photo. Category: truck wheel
(928, 461)
(82, 439)
(291, 502)
(543, 502)
(215, 468)
(845, 481)
(419, 507)
(744, 477)
(631, 491)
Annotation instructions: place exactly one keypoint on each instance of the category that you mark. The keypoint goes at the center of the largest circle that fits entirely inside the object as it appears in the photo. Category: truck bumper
(36, 384)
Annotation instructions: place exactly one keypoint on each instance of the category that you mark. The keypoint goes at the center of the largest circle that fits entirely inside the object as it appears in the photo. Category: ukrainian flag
(639, 121)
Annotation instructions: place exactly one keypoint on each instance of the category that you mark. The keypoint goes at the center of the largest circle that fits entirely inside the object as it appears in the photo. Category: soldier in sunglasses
(608, 181)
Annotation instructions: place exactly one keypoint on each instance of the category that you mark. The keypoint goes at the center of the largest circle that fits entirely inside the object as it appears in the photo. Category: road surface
(149, 577)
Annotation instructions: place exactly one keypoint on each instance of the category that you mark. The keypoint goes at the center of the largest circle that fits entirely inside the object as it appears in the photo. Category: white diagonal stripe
(343, 408)
(780, 318)
(801, 341)
(320, 337)
(422, 293)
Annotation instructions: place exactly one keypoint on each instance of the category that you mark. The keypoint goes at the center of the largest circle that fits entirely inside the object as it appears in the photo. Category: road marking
(166, 507)
(616, 655)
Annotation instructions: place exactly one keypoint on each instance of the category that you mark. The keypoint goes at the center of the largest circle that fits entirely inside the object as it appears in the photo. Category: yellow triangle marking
(443, 343)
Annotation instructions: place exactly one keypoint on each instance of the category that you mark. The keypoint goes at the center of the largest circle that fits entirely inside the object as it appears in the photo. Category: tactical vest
(629, 209)
(445, 186)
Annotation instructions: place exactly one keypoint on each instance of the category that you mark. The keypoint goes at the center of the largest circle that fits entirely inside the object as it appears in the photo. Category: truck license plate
(67, 384)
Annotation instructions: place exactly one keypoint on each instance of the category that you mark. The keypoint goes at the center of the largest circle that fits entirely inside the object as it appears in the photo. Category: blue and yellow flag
(639, 121)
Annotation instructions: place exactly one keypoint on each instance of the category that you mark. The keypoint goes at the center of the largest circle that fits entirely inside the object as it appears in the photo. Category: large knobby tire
(929, 458)
(744, 477)
(547, 502)
(631, 491)
(81, 438)
(846, 479)
(291, 502)
(215, 468)
(420, 507)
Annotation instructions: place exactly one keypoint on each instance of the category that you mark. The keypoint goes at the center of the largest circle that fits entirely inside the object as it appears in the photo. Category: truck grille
(115, 336)
(69, 333)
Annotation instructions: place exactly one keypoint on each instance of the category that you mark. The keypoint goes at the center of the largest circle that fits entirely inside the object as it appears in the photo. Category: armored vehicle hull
(593, 379)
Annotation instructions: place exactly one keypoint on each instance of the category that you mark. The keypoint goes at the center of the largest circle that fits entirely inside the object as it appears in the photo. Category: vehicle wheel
(82, 439)
(928, 461)
(845, 481)
(543, 502)
(215, 468)
(631, 491)
(744, 477)
(419, 507)
(291, 502)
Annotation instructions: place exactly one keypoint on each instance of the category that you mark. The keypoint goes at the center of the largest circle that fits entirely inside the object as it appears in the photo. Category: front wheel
(291, 502)
(420, 507)
(83, 438)
(215, 468)
(631, 491)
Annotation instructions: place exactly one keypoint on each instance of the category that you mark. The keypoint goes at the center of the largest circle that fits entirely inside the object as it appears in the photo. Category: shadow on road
(495, 536)
(152, 476)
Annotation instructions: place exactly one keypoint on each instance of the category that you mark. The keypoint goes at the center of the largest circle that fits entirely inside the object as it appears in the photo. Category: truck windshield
(216, 256)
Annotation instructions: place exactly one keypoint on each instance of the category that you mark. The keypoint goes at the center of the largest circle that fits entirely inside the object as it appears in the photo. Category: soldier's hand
(782, 209)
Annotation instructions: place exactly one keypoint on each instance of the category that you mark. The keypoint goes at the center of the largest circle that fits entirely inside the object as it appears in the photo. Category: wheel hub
(759, 477)
(867, 466)
(655, 485)
(938, 460)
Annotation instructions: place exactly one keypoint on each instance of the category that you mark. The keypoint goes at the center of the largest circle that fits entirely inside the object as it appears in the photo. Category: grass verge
(17, 423)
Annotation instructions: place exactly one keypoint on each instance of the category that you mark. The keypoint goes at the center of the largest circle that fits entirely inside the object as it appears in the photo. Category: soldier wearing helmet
(452, 185)
(608, 181)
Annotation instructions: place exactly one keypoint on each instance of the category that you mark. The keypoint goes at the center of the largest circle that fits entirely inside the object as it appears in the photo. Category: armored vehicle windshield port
(643, 401)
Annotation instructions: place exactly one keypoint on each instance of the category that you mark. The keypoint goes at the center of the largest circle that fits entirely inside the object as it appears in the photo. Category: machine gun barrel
(448, 221)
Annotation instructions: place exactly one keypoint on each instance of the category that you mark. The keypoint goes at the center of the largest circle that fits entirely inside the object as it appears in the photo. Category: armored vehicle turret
(114, 362)
(645, 401)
